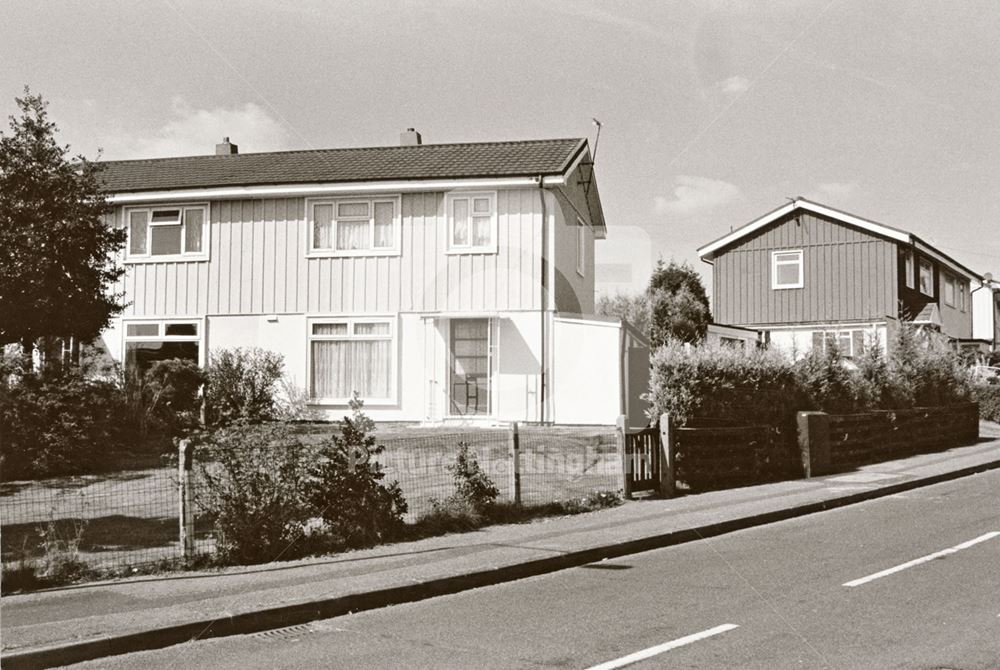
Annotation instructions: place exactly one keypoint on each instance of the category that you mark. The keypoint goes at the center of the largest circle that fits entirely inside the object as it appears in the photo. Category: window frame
(371, 200)
(162, 323)
(451, 247)
(800, 262)
(352, 321)
(149, 257)
(961, 287)
(581, 247)
(839, 334)
(908, 269)
(949, 282)
(921, 264)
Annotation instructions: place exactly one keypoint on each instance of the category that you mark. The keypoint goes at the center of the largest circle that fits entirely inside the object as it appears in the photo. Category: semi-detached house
(809, 276)
(439, 281)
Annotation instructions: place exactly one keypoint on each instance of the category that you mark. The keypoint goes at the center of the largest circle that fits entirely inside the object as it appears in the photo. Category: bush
(473, 487)
(165, 402)
(988, 397)
(750, 386)
(255, 491)
(829, 384)
(345, 488)
(59, 423)
(243, 385)
(925, 371)
(272, 495)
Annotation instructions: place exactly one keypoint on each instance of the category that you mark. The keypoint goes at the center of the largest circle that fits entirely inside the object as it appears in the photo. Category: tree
(633, 308)
(678, 304)
(57, 265)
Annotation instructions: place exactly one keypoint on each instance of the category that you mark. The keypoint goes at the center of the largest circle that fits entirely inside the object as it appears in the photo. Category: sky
(713, 113)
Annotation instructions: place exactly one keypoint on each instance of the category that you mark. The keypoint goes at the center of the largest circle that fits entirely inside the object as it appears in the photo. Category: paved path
(98, 620)
(848, 588)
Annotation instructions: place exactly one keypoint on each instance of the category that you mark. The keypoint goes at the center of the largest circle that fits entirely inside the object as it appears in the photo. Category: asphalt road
(907, 581)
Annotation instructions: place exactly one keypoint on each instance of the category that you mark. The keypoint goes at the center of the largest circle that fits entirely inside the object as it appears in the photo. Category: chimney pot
(410, 138)
(227, 148)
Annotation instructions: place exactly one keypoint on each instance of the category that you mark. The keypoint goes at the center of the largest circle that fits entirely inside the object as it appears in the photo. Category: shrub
(59, 423)
(829, 384)
(346, 491)
(988, 397)
(473, 487)
(925, 371)
(243, 385)
(750, 386)
(164, 402)
(255, 491)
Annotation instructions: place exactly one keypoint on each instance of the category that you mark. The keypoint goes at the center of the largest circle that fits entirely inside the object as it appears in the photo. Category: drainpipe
(544, 301)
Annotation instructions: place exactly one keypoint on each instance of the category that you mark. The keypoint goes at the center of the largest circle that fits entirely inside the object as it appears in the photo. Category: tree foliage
(678, 304)
(633, 308)
(57, 264)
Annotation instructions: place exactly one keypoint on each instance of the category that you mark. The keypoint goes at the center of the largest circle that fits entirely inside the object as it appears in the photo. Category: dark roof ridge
(579, 140)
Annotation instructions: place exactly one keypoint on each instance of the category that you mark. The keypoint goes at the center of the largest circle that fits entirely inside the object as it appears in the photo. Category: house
(809, 276)
(439, 281)
(986, 313)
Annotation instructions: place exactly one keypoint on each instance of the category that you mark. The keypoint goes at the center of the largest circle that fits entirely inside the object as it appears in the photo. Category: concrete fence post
(621, 434)
(814, 442)
(668, 454)
(514, 471)
(185, 494)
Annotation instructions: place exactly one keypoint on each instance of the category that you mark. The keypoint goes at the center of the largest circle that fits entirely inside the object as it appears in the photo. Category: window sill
(176, 258)
(354, 253)
(471, 250)
(345, 402)
(785, 288)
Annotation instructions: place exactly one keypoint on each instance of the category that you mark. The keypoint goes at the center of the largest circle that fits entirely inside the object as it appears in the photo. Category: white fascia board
(928, 250)
(708, 250)
(292, 190)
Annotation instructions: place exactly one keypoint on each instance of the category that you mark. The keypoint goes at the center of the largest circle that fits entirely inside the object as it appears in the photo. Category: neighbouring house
(810, 276)
(986, 313)
(439, 281)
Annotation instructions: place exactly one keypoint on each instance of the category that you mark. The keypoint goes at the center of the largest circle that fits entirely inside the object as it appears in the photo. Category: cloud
(693, 195)
(840, 189)
(193, 131)
(736, 84)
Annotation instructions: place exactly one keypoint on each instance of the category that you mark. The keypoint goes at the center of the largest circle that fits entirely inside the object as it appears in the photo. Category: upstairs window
(949, 290)
(164, 232)
(962, 295)
(926, 277)
(472, 222)
(908, 269)
(786, 269)
(581, 247)
(354, 227)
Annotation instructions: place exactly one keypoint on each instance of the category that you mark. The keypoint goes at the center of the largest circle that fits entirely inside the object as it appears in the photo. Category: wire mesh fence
(126, 520)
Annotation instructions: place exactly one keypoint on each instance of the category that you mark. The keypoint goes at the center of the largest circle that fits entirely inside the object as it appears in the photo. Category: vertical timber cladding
(258, 265)
(849, 275)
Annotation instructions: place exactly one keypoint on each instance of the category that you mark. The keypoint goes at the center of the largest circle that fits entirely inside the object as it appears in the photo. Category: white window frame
(162, 323)
(774, 268)
(351, 322)
(394, 250)
(949, 283)
(581, 247)
(925, 263)
(839, 335)
(449, 200)
(908, 268)
(148, 257)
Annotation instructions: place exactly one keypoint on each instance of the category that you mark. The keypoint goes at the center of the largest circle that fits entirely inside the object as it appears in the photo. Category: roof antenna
(593, 156)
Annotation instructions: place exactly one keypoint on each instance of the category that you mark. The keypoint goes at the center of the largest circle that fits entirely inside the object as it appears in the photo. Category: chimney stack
(409, 138)
(227, 148)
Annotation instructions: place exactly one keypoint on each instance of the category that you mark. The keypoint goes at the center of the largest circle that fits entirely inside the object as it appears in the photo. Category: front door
(470, 367)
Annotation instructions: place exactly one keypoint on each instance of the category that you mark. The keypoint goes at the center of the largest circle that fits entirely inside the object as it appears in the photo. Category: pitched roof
(709, 251)
(422, 161)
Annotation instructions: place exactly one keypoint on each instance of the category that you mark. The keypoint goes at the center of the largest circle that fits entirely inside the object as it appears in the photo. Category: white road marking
(660, 648)
(923, 559)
